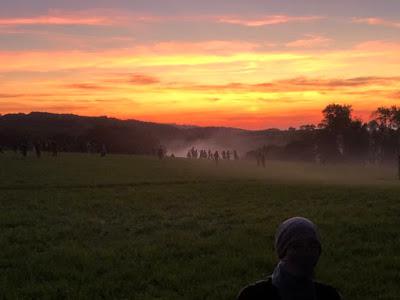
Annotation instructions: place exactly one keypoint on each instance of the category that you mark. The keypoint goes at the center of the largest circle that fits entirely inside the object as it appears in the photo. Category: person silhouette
(216, 157)
(298, 247)
(398, 165)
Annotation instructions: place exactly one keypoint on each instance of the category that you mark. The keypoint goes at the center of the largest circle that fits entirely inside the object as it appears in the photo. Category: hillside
(73, 132)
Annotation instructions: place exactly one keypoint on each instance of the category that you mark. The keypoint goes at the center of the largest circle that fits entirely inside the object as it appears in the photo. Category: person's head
(298, 245)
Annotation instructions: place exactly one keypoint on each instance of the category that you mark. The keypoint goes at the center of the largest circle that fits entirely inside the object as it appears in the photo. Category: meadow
(79, 226)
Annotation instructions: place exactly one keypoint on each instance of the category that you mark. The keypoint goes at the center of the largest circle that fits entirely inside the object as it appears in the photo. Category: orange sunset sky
(248, 64)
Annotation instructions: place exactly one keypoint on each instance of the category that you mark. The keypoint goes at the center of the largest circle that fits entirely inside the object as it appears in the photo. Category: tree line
(340, 137)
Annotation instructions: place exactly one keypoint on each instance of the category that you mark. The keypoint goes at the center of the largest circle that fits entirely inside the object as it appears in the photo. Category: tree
(335, 126)
(383, 116)
(388, 119)
(396, 124)
(395, 117)
(337, 118)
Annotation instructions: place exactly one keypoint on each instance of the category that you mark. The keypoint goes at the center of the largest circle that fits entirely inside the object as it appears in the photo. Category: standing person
(103, 151)
(216, 157)
(160, 153)
(54, 148)
(298, 247)
(258, 157)
(235, 155)
(38, 150)
(263, 159)
(398, 162)
(223, 155)
(24, 148)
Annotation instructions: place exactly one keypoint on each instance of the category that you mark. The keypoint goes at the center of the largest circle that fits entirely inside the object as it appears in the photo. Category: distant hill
(74, 133)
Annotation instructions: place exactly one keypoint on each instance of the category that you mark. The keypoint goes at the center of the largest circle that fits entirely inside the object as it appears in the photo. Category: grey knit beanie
(294, 229)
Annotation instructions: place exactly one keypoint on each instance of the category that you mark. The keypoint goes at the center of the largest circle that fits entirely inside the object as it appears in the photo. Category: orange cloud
(20, 95)
(140, 79)
(211, 46)
(310, 41)
(113, 17)
(136, 79)
(378, 46)
(195, 54)
(56, 20)
(304, 83)
(299, 84)
(267, 20)
(85, 86)
(140, 56)
(377, 22)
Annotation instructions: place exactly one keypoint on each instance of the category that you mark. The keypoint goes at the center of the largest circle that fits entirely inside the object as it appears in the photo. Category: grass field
(127, 227)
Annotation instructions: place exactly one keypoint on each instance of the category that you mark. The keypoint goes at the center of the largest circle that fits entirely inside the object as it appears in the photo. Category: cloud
(65, 108)
(57, 20)
(210, 46)
(24, 95)
(378, 46)
(102, 17)
(137, 57)
(23, 107)
(114, 83)
(377, 22)
(396, 94)
(329, 84)
(299, 84)
(3, 95)
(86, 86)
(310, 41)
(267, 20)
(140, 79)
(291, 85)
(132, 79)
(381, 93)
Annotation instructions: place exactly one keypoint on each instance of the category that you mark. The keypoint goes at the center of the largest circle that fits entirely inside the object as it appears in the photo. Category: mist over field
(124, 169)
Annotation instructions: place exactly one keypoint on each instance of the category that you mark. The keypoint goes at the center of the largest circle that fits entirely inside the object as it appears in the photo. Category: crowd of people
(50, 146)
(37, 147)
(216, 155)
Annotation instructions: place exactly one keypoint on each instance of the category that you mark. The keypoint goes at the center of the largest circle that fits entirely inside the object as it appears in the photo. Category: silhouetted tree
(383, 116)
(387, 135)
(337, 118)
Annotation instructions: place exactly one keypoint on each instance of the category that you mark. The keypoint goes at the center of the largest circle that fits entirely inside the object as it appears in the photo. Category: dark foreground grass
(79, 227)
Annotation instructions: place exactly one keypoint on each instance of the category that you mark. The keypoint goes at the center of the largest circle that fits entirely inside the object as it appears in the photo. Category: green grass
(125, 227)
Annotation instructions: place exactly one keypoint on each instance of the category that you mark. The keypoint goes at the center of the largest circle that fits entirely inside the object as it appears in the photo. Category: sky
(251, 64)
